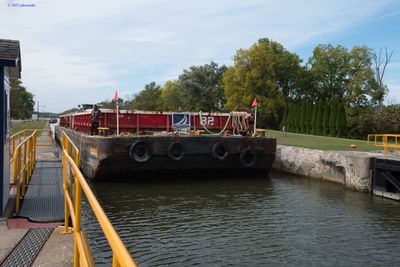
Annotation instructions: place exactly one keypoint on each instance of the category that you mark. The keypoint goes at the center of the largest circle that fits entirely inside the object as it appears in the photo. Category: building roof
(10, 56)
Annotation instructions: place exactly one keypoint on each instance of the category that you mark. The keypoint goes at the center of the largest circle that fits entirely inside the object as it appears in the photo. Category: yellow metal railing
(49, 132)
(23, 160)
(16, 139)
(74, 184)
(389, 142)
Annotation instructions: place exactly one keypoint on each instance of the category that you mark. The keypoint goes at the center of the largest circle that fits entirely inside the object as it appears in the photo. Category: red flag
(116, 96)
(254, 104)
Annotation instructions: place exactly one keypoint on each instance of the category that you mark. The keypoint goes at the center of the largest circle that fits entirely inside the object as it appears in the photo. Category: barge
(163, 143)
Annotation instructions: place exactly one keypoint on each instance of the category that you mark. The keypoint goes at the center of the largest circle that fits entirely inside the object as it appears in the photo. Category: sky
(76, 52)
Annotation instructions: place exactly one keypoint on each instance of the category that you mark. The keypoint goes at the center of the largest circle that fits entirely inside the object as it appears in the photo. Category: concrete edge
(350, 168)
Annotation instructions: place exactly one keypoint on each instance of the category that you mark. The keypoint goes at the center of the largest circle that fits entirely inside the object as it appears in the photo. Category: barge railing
(134, 121)
(386, 141)
(74, 184)
(23, 160)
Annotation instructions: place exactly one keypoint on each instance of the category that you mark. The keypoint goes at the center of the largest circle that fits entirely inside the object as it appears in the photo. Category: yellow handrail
(24, 159)
(72, 202)
(387, 141)
(49, 132)
(15, 140)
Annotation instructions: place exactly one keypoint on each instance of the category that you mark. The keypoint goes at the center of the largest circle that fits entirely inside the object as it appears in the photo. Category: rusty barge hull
(104, 158)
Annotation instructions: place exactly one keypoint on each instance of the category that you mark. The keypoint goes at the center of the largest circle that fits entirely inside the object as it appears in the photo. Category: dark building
(10, 67)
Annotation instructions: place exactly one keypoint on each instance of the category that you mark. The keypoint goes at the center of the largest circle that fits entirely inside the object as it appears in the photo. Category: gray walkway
(26, 251)
(44, 199)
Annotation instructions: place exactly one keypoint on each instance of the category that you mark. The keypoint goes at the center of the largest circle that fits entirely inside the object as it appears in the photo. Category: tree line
(21, 101)
(317, 118)
(342, 81)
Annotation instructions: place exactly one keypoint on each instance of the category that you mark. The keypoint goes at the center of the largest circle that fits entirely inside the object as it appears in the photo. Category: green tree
(344, 121)
(320, 118)
(68, 111)
(341, 122)
(111, 105)
(201, 87)
(386, 121)
(380, 65)
(266, 71)
(314, 118)
(303, 117)
(291, 124)
(21, 101)
(347, 75)
(284, 121)
(332, 117)
(172, 96)
(292, 119)
(148, 98)
(325, 121)
(288, 121)
(295, 119)
(308, 116)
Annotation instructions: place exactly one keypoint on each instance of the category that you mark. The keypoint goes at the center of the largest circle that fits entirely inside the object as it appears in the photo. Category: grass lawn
(319, 142)
(19, 126)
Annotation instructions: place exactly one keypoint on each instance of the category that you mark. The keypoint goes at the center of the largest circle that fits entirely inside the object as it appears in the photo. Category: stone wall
(350, 168)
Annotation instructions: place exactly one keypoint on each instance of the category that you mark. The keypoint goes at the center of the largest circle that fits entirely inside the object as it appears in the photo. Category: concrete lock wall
(350, 168)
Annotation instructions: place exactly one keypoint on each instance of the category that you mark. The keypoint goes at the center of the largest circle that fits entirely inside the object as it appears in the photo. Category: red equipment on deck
(144, 121)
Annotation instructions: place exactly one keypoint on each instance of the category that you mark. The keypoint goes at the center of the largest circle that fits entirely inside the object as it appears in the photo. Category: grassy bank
(20, 125)
(319, 142)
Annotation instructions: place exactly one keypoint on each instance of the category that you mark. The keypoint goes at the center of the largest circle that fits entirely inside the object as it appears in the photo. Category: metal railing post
(34, 147)
(82, 254)
(15, 166)
(384, 145)
(23, 160)
(25, 174)
(77, 224)
(17, 171)
(13, 145)
(30, 158)
(77, 158)
(65, 186)
(115, 262)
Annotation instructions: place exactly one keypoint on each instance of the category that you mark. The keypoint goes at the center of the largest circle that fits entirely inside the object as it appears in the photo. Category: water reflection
(284, 220)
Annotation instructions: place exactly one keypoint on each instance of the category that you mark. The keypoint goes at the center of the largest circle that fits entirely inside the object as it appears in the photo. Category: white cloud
(148, 35)
(54, 69)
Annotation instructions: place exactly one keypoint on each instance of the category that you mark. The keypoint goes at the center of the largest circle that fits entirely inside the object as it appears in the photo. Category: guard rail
(389, 142)
(74, 184)
(23, 160)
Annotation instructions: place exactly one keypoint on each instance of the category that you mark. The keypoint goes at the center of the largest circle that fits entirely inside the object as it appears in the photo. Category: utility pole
(37, 117)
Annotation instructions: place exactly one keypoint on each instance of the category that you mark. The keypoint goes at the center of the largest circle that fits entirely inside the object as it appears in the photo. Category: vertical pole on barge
(117, 118)
(255, 120)
(116, 103)
(254, 104)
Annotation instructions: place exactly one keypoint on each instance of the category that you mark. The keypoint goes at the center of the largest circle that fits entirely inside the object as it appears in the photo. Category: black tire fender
(219, 151)
(176, 151)
(248, 157)
(140, 151)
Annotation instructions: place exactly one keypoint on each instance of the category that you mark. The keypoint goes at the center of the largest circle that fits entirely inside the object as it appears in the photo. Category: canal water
(282, 220)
